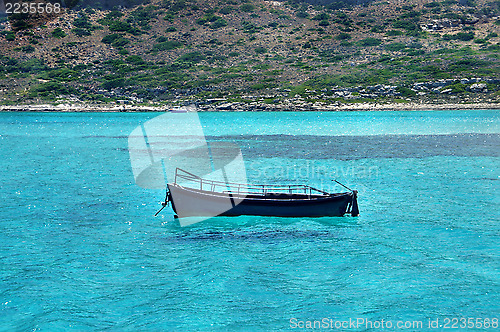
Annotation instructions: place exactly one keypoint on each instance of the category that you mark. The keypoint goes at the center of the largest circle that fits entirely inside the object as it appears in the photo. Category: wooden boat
(212, 198)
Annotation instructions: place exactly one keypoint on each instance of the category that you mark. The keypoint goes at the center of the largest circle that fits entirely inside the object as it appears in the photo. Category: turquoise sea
(81, 250)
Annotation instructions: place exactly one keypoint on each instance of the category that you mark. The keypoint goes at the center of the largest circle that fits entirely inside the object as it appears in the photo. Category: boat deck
(258, 191)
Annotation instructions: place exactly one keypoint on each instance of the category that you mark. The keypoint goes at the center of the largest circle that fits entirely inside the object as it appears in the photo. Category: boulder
(478, 87)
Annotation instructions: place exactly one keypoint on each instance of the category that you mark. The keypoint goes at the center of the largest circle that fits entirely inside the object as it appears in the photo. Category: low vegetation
(188, 49)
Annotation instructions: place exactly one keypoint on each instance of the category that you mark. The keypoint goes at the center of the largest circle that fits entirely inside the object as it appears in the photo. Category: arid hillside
(241, 51)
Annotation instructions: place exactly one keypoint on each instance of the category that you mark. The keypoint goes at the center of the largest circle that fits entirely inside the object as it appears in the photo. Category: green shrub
(434, 72)
(321, 17)
(194, 57)
(142, 16)
(453, 16)
(414, 52)
(467, 65)
(302, 14)
(114, 83)
(226, 10)
(219, 23)
(113, 15)
(456, 88)
(81, 67)
(406, 25)
(120, 42)
(370, 42)
(260, 50)
(324, 23)
(58, 33)
(342, 15)
(60, 75)
(135, 60)
(176, 5)
(171, 29)
(82, 22)
(208, 18)
(384, 58)
(328, 56)
(343, 36)
(214, 41)
(20, 21)
(410, 15)
(25, 49)
(249, 27)
(258, 86)
(10, 35)
(405, 92)
(110, 38)
(377, 28)
(119, 26)
(432, 4)
(463, 36)
(81, 32)
(169, 17)
(167, 45)
(394, 47)
(247, 7)
(468, 3)
(30, 66)
(51, 88)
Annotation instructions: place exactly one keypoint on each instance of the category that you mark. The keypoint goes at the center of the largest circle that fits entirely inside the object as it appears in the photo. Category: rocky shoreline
(240, 107)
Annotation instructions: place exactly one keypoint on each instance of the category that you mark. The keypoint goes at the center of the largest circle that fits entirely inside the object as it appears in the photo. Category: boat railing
(245, 189)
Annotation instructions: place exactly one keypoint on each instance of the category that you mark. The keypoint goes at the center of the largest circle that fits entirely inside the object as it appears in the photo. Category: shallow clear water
(80, 248)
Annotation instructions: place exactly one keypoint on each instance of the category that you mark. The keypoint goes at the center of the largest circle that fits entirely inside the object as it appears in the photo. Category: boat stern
(354, 204)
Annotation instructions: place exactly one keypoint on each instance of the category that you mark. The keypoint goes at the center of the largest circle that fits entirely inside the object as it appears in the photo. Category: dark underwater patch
(360, 147)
